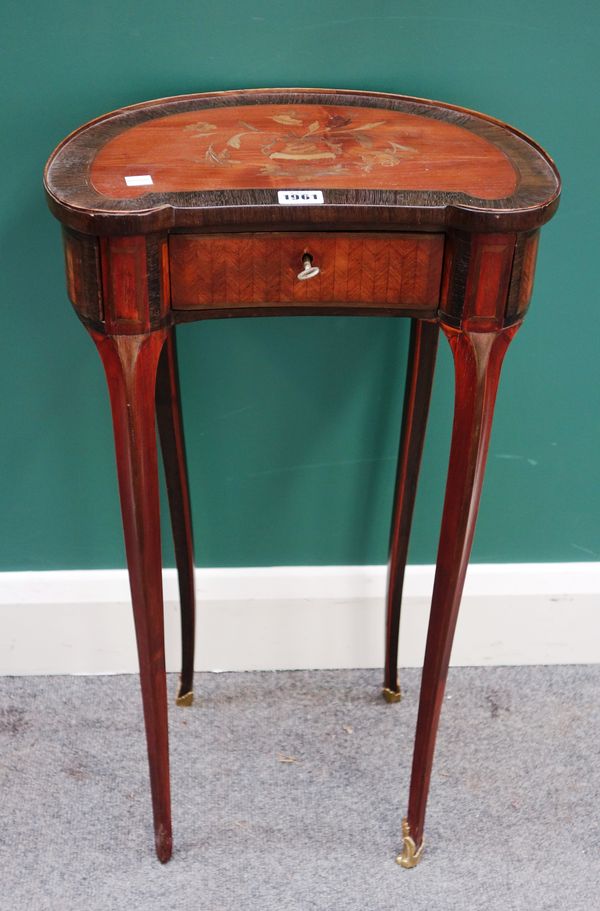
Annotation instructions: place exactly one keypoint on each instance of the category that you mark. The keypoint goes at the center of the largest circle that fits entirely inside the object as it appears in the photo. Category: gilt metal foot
(391, 695)
(185, 699)
(411, 855)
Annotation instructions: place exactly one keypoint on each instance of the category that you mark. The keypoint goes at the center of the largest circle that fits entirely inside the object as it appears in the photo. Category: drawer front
(358, 269)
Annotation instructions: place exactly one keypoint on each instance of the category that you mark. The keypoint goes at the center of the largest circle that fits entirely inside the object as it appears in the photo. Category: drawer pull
(309, 270)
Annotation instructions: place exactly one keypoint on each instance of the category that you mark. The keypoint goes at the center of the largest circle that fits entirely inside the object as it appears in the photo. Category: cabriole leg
(130, 363)
(477, 362)
(170, 427)
(419, 378)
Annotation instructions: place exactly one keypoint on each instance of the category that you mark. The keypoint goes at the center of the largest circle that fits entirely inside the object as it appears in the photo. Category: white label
(139, 180)
(300, 197)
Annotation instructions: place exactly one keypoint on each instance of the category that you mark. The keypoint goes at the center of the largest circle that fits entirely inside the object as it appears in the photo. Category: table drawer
(355, 269)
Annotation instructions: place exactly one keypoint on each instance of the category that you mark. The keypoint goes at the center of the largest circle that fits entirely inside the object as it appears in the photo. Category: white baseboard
(79, 622)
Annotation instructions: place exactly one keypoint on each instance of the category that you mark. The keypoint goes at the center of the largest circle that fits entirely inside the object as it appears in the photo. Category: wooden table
(289, 202)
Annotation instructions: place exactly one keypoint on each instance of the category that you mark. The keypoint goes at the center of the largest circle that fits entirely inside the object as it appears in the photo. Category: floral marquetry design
(339, 143)
(308, 145)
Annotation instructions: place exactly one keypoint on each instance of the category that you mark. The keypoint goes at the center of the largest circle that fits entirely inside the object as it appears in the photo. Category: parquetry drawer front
(366, 270)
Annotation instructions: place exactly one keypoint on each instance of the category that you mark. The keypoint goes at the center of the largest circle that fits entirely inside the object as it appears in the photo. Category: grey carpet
(513, 820)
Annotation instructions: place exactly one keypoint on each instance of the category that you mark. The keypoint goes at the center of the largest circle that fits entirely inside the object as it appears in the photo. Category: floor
(289, 789)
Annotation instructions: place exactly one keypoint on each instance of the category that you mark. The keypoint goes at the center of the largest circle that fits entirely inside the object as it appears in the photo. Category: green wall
(292, 424)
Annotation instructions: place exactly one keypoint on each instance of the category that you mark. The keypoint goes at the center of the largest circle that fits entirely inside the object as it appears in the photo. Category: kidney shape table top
(298, 201)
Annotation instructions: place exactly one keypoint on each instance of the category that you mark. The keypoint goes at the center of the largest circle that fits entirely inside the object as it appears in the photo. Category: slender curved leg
(130, 363)
(170, 428)
(477, 362)
(419, 379)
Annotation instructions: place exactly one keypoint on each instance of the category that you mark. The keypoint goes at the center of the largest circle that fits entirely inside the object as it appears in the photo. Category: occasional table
(290, 202)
